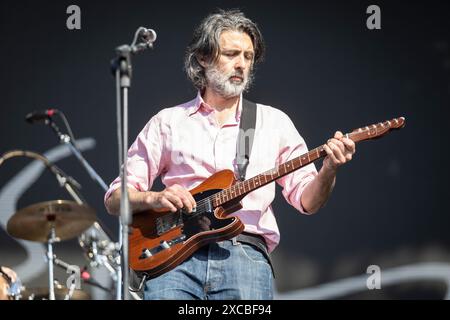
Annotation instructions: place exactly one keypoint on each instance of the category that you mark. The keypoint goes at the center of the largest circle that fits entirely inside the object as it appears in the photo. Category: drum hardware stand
(64, 265)
(50, 257)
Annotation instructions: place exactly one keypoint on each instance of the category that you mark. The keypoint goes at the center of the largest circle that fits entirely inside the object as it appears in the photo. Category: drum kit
(54, 221)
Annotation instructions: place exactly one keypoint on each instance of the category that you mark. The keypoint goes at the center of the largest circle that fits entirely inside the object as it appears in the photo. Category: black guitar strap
(243, 150)
(245, 137)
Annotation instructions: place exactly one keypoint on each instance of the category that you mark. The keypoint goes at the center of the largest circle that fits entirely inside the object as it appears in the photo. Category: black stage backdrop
(323, 67)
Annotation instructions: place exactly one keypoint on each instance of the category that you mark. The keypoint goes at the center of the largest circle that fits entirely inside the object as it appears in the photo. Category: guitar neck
(242, 188)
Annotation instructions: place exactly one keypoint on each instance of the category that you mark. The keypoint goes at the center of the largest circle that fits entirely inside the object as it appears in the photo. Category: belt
(259, 243)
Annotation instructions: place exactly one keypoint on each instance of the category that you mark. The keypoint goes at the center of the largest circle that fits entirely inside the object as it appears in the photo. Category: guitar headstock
(378, 130)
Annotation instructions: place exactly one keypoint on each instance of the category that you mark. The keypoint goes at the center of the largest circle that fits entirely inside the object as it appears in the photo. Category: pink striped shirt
(185, 145)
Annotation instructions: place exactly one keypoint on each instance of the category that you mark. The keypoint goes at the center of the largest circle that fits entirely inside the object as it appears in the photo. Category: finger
(331, 155)
(186, 202)
(181, 191)
(338, 135)
(165, 203)
(174, 199)
(191, 199)
(349, 144)
(337, 152)
(338, 143)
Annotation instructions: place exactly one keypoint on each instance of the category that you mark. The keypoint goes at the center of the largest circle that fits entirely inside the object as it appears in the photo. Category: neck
(218, 102)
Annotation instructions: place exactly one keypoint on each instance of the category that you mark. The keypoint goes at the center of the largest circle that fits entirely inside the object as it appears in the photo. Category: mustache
(239, 74)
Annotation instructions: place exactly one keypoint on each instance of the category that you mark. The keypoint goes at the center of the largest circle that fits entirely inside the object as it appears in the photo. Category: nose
(240, 62)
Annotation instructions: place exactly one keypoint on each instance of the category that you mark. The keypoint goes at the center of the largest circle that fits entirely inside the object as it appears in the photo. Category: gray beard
(222, 85)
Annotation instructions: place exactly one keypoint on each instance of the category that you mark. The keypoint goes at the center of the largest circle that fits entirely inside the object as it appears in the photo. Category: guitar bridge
(164, 245)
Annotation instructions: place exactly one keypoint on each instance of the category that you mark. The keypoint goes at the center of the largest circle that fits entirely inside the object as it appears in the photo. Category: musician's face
(231, 74)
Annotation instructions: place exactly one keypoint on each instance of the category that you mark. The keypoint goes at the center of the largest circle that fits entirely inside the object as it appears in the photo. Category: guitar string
(215, 196)
(202, 203)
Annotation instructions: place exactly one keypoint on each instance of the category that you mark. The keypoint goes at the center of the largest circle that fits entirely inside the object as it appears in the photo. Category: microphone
(148, 35)
(37, 116)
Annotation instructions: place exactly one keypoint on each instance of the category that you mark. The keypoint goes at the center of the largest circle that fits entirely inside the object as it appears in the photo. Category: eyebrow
(237, 50)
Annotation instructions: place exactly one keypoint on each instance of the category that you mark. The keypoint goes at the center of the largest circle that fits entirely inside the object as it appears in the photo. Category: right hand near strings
(172, 198)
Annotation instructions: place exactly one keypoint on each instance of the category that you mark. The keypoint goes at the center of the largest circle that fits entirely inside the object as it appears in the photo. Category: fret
(293, 165)
(318, 153)
(274, 172)
(239, 189)
(309, 160)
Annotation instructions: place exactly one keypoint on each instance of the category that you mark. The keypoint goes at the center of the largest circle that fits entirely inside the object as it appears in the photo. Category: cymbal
(60, 294)
(34, 222)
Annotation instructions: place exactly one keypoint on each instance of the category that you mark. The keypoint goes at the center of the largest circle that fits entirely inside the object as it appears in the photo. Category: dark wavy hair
(205, 42)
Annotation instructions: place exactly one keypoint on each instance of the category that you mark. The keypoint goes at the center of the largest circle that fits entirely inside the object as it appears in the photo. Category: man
(188, 143)
(7, 278)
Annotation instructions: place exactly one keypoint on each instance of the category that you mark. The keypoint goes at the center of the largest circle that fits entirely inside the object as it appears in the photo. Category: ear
(202, 61)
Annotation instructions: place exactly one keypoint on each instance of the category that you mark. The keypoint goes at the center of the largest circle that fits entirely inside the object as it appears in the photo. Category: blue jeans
(219, 271)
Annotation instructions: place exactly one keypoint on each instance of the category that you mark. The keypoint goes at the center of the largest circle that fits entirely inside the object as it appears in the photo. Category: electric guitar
(161, 240)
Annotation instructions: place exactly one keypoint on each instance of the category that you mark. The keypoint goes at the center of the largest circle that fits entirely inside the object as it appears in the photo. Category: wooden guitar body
(162, 240)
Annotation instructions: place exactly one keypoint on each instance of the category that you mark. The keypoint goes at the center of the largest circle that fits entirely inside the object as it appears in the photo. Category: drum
(61, 293)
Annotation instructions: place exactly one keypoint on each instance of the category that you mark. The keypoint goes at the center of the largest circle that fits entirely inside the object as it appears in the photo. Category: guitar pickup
(168, 222)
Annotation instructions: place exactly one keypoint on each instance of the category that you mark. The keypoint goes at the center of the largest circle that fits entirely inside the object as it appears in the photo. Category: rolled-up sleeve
(144, 162)
(292, 145)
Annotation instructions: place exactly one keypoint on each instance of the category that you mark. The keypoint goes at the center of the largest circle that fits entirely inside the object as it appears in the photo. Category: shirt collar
(199, 104)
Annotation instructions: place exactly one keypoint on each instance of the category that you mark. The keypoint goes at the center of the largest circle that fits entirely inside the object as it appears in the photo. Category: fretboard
(242, 188)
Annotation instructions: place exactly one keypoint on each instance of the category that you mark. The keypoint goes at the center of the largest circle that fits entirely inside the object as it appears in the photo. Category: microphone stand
(122, 70)
(65, 139)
